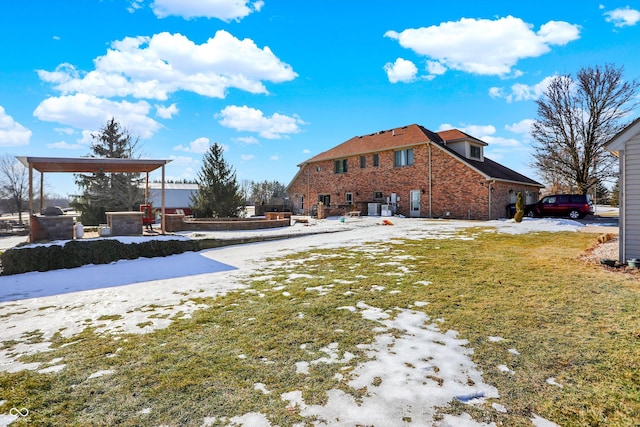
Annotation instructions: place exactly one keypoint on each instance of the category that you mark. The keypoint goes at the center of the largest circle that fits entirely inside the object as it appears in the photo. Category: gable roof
(494, 170)
(412, 135)
(617, 143)
(454, 135)
(383, 140)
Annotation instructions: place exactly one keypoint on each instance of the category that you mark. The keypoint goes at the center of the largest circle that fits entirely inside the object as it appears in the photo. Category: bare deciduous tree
(577, 116)
(14, 183)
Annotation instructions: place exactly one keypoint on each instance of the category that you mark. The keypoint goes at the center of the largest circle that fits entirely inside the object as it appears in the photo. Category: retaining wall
(177, 222)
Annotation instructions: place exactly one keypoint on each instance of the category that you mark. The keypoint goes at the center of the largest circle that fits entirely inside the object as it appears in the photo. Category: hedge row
(76, 253)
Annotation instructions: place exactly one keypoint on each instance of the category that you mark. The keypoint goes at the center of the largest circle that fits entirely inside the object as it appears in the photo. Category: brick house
(410, 171)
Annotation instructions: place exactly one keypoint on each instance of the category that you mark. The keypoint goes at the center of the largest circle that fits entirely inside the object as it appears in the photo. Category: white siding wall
(632, 198)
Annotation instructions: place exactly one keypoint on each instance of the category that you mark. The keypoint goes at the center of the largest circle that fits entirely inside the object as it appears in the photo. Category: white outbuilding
(626, 146)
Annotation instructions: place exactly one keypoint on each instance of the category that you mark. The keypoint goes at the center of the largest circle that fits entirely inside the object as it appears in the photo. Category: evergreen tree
(218, 192)
(602, 194)
(614, 200)
(263, 192)
(102, 192)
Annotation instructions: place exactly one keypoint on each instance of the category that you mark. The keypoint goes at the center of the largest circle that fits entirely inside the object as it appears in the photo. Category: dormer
(463, 144)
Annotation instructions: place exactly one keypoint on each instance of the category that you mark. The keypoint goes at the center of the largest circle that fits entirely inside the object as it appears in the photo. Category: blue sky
(279, 81)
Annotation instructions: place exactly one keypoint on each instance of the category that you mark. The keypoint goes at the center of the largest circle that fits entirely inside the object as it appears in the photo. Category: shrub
(519, 208)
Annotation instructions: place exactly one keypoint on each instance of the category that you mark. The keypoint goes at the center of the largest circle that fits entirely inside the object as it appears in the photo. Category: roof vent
(393, 132)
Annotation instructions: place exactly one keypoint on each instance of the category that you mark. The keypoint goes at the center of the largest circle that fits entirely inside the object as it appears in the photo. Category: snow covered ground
(67, 301)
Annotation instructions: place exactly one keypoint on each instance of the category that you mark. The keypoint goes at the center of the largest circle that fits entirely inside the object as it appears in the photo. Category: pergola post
(41, 192)
(30, 190)
(162, 198)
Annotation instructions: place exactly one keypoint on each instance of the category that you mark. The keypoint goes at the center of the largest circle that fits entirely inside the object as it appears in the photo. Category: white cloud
(225, 10)
(66, 131)
(401, 71)
(87, 137)
(436, 68)
(184, 161)
(482, 46)
(134, 5)
(523, 126)
(623, 17)
(306, 151)
(199, 145)
(274, 157)
(557, 33)
(154, 67)
(246, 140)
(522, 92)
(252, 120)
(90, 112)
(12, 133)
(484, 133)
(494, 141)
(182, 167)
(479, 131)
(63, 145)
(496, 92)
(166, 112)
(247, 157)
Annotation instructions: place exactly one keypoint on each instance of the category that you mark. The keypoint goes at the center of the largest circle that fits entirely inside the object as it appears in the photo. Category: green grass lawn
(575, 322)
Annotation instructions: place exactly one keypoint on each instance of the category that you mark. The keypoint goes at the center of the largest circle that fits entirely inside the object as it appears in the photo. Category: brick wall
(51, 228)
(125, 223)
(457, 190)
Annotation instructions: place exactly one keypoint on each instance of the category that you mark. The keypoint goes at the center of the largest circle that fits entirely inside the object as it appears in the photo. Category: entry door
(414, 204)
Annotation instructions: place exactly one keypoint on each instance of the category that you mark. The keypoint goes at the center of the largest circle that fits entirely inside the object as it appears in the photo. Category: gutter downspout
(622, 203)
(308, 189)
(490, 188)
(430, 182)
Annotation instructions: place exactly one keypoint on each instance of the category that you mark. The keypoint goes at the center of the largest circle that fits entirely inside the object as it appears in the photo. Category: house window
(302, 202)
(376, 160)
(377, 195)
(325, 199)
(363, 162)
(340, 166)
(475, 152)
(403, 157)
(348, 198)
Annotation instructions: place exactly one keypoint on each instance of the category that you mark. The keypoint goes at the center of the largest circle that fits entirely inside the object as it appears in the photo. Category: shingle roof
(380, 141)
(414, 134)
(495, 170)
(457, 135)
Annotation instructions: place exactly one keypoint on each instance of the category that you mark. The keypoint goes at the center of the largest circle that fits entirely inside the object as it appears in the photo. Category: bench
(353, 213)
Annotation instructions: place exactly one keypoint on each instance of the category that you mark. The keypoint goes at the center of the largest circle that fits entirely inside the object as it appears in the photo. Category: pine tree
(218, 192)
(614, 200)
(102, 192)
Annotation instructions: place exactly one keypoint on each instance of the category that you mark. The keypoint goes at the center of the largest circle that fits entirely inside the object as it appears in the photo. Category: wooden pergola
(91, 165)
